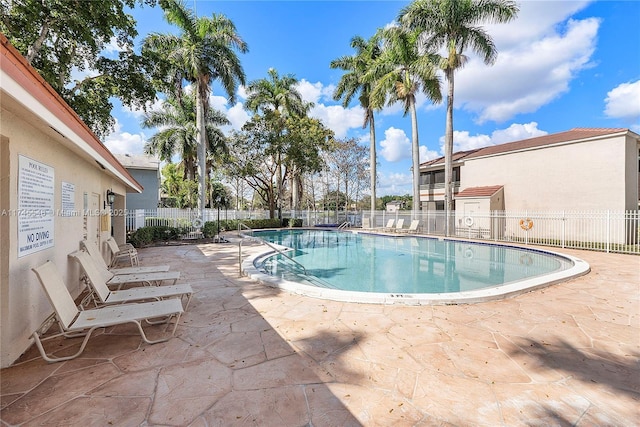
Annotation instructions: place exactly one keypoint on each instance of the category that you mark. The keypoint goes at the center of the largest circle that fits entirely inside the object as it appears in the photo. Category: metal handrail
(344, 225)
(278, 250)
(281, 252)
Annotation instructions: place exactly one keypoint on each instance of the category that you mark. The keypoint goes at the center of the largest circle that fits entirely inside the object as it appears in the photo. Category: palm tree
(352, 83)
(178, 133)
(277, 98)
(204, 51)
(454, 25)
(401, 72)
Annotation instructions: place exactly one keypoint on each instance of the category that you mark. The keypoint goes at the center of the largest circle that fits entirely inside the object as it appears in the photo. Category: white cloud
(337, 118)
(623, 101)
(218, 102)
(394, 184)
(156, 105)
(242, 92)
(426, 154)
(238, 116)
(539, 54)
(124, 142)
(516, 132)
(311, 92)
(463, 141)
(113, 46)
(395, 145)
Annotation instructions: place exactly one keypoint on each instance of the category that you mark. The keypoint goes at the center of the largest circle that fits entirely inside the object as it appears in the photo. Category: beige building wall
(589, 175)
(24, 303)
(38, 127)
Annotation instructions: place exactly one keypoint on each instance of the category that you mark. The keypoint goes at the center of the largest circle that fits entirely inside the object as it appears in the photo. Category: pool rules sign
(35, 206)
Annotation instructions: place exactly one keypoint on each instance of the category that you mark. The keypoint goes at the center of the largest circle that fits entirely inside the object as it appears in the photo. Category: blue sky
(561, 64)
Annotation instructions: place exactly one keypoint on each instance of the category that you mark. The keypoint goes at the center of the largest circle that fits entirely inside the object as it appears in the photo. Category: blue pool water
(373, 263)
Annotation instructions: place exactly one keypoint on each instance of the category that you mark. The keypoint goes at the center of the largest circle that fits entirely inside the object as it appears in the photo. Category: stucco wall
(583, 176)
(24, 303)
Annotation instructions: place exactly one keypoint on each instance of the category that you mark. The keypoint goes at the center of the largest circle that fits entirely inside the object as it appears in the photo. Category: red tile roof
(479, 191)
(575, 134)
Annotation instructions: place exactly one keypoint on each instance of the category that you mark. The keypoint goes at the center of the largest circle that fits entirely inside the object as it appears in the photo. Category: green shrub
(147, 235)
(291, 222)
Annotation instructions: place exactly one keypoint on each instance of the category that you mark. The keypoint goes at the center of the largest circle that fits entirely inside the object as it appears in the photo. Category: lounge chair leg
(148, 341)
(52, 359)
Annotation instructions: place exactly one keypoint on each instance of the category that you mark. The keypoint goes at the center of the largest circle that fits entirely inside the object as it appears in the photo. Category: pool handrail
(344, 225)
(275, 248)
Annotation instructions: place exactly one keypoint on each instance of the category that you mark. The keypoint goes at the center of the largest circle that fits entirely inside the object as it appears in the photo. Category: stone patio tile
(457, 400)
(274, 345)
(366, 322)
(98, 412)
(486, 364)
(607, 331)
(24, 377)
(531, 365)
(239, 349)
(133, 384)
(408, 333)
(381, 349)
(252, 323)
(369, 406)
(326, 342)
(185, 391)
(547, 404)
(402, 314)
(57, 390)
(432, 357)
(283, 406)
(285, 371)
(173, 351)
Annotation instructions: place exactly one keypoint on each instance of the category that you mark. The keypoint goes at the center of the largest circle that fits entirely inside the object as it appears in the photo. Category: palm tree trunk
(280, 182)
(372, 166)
(202, 151)
(415, 156)
(448, 155)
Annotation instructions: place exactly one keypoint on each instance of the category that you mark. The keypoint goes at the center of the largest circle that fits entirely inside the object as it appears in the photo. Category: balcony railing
(437, 186)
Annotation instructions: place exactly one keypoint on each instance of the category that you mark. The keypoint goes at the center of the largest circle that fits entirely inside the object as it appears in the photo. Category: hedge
(147, 235)
(158, 233)
(211, 228)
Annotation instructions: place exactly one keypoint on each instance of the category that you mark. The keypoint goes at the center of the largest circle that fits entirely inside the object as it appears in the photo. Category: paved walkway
(249, 355)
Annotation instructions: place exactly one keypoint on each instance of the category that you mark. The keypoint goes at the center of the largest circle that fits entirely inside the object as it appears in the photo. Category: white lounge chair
(413, 227)
(153, 278)
(77, 323)
(389, 226)
(127, 252)
(399, 225)
(103, 296)
(95, 254)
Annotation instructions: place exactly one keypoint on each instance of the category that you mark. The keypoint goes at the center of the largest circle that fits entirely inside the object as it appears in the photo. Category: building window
(437, 177)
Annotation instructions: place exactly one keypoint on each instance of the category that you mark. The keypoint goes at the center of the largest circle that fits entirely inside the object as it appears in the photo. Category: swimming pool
(368, 267)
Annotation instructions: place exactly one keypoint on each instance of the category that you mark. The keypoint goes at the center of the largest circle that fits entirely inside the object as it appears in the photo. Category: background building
(145, 170)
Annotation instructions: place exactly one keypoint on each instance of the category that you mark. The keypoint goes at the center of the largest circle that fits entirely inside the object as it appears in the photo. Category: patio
(246, 354)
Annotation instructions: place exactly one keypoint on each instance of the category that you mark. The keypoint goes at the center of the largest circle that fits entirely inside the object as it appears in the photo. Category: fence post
(608, 230)
(564, 228)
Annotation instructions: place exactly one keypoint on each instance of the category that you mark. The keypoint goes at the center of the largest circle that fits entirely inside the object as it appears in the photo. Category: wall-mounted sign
(68, 197)
(35, 206)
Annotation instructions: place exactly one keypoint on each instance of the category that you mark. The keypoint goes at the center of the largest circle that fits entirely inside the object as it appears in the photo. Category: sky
(560, 65)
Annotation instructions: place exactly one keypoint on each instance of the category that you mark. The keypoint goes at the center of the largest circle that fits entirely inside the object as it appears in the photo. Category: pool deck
(249, 355)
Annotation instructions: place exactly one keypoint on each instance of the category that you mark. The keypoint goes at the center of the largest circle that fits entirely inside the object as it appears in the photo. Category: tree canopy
(72, 46)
